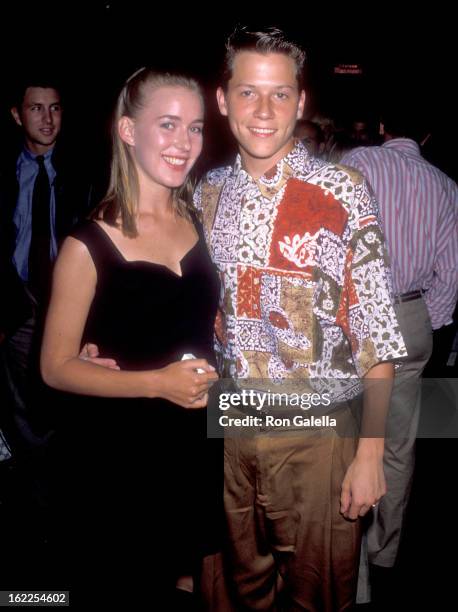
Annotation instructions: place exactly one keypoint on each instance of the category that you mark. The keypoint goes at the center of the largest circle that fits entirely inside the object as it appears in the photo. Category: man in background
(418, 209)
(43, 192)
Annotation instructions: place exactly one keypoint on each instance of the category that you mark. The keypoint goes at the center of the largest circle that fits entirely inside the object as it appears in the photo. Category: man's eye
(282, 96)
(246, 93)
(168, 125)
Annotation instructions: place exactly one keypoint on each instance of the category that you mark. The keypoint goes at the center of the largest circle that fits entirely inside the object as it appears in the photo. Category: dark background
(95, 47)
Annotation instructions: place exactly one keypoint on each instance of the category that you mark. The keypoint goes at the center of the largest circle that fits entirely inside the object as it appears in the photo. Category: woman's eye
(168, 125)
(197, 129)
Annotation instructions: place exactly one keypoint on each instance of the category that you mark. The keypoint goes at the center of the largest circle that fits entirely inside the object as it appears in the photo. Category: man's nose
(47, 115)
(264, 108)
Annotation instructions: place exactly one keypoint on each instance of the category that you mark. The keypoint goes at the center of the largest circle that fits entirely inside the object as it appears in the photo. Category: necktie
(39, 259)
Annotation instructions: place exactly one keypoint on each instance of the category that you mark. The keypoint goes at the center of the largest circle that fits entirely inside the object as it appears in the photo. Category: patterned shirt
(419, 211)
(305, 288)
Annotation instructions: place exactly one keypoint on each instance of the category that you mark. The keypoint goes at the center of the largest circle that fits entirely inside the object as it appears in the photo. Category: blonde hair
(121, 199)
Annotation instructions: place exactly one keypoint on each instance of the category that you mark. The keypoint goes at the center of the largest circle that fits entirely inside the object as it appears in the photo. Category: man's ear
(221, 99)
(16, 115)
(301, 105)
(126, 130)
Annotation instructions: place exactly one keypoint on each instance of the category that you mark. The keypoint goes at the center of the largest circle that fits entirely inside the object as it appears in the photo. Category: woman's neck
(157, 203)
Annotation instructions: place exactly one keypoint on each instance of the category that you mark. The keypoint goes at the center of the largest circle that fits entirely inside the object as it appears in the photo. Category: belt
(407, 297)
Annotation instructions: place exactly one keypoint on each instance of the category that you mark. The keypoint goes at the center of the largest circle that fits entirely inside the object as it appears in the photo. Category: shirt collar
(291, 164)
(403, 144)
(28, 156)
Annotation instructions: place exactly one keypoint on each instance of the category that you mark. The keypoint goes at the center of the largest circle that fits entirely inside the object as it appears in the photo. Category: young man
(305, 295)
(42, 195)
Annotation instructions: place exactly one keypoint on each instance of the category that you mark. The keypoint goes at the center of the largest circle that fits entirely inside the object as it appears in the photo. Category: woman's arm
(73, 290)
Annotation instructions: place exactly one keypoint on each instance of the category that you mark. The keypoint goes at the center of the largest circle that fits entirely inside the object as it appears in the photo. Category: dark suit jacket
(72, 188)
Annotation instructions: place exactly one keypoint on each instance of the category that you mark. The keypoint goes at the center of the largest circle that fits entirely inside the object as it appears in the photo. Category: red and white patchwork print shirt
(305, 283)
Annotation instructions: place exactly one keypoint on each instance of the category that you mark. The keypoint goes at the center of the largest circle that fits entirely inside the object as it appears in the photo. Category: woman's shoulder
(84, 230)
(95, 238)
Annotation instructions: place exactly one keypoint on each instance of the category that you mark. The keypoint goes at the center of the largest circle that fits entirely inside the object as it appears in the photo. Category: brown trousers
(287, 540)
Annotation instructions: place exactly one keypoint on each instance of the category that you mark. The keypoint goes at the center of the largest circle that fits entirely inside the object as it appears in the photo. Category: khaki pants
(286, 534)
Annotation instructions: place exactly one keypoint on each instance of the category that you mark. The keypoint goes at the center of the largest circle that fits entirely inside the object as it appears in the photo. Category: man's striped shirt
(419, 209)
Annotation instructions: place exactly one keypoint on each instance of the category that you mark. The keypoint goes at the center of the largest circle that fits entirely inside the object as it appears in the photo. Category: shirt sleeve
(441, 296)
(197, 197)
(219, 326)
(373, 329)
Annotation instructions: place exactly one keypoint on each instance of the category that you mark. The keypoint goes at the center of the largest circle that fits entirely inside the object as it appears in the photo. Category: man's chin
(267, 150)
(46, 142)
(257, 153)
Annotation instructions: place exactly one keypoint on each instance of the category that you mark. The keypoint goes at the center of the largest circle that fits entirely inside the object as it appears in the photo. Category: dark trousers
(24, 477)
(18, 362)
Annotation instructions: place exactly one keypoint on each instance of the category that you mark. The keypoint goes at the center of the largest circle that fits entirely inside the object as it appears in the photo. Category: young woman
(137, 281)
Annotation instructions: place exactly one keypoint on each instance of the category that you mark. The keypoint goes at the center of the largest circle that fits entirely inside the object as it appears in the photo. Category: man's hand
(90, 352)
(364, 483)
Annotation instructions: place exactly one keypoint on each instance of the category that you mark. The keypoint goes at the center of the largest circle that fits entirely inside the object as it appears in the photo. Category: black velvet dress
(143, 482)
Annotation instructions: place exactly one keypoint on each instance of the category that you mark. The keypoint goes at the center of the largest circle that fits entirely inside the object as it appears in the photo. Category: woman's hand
(180, 383)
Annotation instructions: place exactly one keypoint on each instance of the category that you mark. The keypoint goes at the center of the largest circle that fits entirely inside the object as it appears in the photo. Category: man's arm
(15, 305)
(442, 294)
(197, 197)
(374, 335)
(364, 482)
